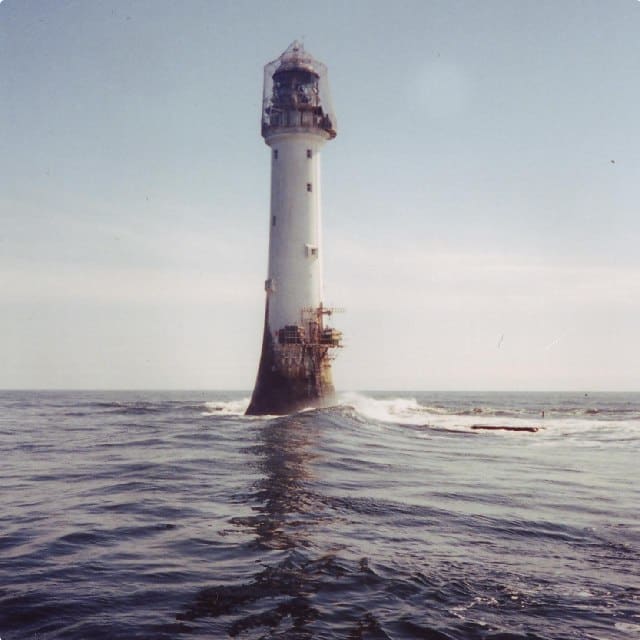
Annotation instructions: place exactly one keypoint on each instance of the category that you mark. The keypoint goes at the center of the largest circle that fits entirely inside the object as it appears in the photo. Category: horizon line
(371, 390)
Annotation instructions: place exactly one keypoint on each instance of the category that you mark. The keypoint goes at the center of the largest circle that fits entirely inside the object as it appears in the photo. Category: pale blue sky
(481, 199)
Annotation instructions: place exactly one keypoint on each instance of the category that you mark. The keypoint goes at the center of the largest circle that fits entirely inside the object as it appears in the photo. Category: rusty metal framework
(304, 351)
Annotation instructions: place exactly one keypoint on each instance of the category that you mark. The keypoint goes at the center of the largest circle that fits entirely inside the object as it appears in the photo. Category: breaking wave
(453, 412)
(226, 408)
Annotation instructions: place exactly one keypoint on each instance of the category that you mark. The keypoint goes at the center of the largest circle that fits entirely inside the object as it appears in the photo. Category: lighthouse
(297, 344)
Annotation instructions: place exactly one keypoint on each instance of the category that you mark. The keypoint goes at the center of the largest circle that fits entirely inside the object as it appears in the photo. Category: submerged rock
(487, 427)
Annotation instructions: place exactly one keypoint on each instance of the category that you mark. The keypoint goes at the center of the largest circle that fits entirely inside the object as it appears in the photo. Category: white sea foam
(226, 408)
(408, 411)
(398, 410)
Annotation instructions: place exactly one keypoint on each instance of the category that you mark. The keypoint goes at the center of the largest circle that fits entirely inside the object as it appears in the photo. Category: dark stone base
(277, 394)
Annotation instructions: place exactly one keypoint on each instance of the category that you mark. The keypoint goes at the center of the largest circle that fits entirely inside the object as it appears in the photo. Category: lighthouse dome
(294, 58)
(296, 95)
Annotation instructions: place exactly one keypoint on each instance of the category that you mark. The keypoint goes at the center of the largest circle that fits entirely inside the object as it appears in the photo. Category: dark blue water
(170, 515)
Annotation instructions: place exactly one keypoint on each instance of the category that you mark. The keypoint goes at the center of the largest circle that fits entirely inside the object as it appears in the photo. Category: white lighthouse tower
(297, 119)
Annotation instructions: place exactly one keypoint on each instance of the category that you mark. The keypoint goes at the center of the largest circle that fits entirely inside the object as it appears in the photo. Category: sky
(480, 203)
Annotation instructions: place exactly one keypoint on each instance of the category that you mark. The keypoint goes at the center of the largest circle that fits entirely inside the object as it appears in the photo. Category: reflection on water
(285, 512)
(285, 507)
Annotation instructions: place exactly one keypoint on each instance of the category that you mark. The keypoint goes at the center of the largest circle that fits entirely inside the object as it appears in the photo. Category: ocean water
(166, 515)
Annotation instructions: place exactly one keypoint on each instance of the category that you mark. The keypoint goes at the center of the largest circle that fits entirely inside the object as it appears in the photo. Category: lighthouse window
(308, 186)
(275, 154)
(309, 153)
(273, 221)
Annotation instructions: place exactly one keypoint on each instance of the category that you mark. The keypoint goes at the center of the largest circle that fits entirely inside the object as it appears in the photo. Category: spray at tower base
(297, 345)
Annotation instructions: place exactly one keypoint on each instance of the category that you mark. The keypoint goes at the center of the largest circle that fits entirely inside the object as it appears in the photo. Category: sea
(168, 515)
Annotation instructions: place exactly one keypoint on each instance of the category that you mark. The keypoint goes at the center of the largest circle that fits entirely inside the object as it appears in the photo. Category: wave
(226, 407)
(409, 412)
